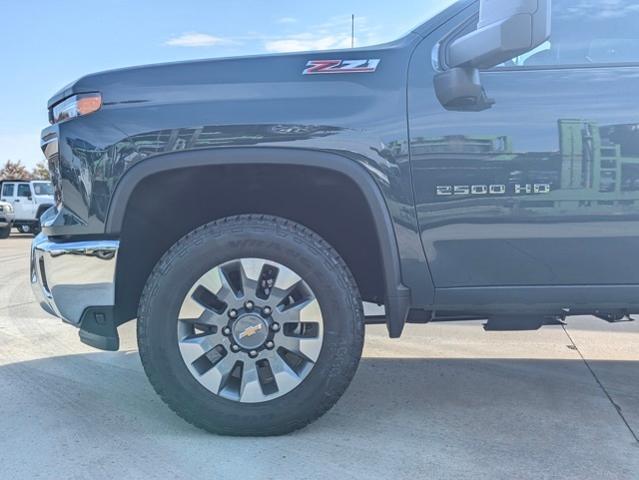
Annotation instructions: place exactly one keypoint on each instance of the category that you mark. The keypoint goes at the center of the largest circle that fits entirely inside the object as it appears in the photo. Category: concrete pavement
(445, 401)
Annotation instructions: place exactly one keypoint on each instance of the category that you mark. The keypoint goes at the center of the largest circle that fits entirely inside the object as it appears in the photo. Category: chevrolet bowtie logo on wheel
(250, 331)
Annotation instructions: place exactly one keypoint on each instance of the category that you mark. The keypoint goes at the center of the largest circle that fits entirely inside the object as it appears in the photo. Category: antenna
(353, 31)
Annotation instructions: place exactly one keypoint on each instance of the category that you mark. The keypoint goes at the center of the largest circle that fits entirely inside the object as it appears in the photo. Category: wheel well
(165, 206)
(41, 209)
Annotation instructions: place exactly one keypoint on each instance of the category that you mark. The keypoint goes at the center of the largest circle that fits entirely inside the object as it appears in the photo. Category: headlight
(76, 106)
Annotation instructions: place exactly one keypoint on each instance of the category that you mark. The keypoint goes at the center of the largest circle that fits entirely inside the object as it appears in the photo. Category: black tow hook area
(515, 323)
(98, 330)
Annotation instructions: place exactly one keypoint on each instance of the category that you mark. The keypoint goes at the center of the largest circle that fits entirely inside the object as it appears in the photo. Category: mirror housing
(506, 29)
(460, 89)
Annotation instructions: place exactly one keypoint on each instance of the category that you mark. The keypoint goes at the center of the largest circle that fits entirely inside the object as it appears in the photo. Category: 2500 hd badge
(499, 189)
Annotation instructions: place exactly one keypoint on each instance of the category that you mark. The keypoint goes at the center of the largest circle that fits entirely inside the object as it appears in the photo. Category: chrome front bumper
(66, 278)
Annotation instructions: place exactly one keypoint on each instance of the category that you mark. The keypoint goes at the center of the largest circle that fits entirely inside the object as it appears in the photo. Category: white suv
(30, 199)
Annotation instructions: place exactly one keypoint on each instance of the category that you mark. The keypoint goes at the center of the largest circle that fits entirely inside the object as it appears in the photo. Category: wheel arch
(43, 208)
(397, 296)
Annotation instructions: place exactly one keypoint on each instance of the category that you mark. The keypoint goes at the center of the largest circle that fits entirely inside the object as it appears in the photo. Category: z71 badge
(322, 67)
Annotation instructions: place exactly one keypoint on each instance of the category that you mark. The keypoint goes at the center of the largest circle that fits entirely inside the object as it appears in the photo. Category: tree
(40, 172)
(14, 170)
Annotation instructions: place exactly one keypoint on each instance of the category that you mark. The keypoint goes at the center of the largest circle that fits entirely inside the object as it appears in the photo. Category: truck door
(543, 187)
(24, 202)
(8, 192)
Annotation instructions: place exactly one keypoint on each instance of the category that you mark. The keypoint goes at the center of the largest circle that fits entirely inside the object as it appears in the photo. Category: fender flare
(397, 294)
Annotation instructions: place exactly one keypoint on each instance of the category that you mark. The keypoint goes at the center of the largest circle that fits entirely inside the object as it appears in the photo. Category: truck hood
(160, 82)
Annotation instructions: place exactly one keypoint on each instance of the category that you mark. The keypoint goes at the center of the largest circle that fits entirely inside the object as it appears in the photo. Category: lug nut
(253, 353)
(269, 345)
(266, 310)
(232, 313)
(226, 331)
(235, 348)
(249, 305)
(275, 327)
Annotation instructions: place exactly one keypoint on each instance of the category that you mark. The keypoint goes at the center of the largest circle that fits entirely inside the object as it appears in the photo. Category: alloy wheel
(250, 330)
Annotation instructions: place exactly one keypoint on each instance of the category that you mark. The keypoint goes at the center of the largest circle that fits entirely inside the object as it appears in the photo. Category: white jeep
(30, 199)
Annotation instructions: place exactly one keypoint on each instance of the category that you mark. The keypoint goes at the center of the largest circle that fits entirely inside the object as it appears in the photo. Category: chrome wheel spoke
(217, 378)
(292, 301)
(285, 376)
(289, 342)
(195, 346)
(206, 318)
(208, 300)
(307, 345)
(251, 390)
(286, 278)
(233, 280)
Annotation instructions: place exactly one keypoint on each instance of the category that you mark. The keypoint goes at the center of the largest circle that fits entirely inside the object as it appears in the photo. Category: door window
(587, 34)
(42, 188)
(24, 190)
(7, 190)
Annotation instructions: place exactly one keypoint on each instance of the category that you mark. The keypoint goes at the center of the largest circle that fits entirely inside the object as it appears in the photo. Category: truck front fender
(397, 295)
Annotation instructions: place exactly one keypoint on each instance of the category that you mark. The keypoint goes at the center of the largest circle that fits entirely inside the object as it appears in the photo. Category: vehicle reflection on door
(595, 168)
(516, 204)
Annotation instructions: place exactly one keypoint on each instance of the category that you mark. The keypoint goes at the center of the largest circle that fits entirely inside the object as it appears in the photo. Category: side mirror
(506, 29)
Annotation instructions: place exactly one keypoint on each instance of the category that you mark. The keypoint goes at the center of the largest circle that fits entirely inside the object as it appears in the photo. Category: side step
(502, 322)
(614, 317)
(520, 323)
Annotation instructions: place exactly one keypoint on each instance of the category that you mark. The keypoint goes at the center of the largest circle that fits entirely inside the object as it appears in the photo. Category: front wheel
(250, 325)
(5, 232)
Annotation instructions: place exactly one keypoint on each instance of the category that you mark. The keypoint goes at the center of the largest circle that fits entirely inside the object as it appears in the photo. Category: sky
(45, 44)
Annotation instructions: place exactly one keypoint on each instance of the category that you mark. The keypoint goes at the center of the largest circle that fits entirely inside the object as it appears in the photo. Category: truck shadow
(469, 418)
(387, 395)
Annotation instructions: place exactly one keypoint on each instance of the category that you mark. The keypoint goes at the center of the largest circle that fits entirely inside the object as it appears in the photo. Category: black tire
(23, 228)
(276, 239)
(5, 232)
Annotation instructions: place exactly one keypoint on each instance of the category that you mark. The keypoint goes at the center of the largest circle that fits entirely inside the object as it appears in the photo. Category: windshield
(43, 188)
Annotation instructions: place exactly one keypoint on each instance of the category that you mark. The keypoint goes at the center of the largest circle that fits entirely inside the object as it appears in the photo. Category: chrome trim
(50, 148)
(66, 278)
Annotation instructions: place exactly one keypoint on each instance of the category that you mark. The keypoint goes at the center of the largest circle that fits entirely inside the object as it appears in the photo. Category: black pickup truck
(486, 165)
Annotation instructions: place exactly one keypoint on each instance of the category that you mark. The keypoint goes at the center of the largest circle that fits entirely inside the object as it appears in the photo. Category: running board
(504, 322)
(520, 323)
(614, 317)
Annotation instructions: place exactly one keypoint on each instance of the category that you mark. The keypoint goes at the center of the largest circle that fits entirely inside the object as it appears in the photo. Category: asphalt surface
(445, 401)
